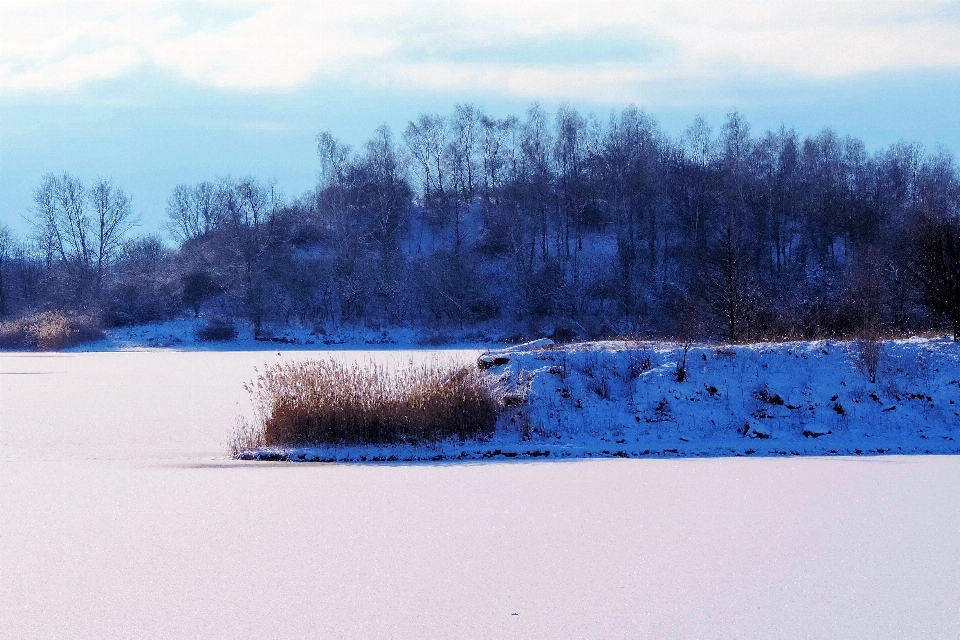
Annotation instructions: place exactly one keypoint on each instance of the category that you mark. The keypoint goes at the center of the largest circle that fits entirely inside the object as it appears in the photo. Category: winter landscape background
(566, 225)
(732, 230)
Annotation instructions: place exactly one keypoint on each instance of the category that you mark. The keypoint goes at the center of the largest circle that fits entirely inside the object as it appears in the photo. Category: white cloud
(604, 84)
(284, 45)
(820, 39)
(62, 46)
(71, 72)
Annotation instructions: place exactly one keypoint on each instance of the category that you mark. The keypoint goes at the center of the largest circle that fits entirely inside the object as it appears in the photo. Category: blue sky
(156, 94)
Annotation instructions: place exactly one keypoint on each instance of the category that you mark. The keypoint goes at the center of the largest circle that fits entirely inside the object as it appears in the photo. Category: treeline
(563, 223)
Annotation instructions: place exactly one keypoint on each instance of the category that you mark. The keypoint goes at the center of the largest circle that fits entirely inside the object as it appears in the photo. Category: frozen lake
(120, 517)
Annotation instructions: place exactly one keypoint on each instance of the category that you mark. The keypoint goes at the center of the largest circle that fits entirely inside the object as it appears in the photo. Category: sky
(152, 95)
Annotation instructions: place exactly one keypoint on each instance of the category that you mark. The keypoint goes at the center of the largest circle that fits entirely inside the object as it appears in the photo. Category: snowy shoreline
(181, 335)
(623, 399)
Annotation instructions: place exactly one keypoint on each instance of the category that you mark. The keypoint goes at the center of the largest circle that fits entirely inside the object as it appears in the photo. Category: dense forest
(567, 223)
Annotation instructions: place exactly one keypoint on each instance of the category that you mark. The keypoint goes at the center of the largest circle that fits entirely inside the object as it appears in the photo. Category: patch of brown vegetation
(329, 402)
(49, 331)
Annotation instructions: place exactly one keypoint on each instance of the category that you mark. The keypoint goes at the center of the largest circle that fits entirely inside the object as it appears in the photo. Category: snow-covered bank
(619, 399)
(183, 335)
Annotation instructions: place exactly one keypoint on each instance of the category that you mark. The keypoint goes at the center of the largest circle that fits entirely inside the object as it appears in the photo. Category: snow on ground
(624, 399)
(619, 399)
(182, 335)
(121, 517)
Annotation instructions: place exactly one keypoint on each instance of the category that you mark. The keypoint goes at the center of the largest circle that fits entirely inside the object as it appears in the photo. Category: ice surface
(120, 517)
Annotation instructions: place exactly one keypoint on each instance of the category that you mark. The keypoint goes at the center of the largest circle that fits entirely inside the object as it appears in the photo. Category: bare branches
(540, 222)
(111, 219)
(936, 265)
(79, 227)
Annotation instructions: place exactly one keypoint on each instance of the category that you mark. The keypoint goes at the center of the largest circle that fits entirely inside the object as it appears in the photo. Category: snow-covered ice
(121, 517)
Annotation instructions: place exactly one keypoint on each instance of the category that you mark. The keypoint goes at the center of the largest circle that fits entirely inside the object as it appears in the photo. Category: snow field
(121, 517)
(811, 398)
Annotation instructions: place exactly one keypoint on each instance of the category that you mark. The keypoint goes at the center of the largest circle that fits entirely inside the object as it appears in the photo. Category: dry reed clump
(48, 331)
(328, 402)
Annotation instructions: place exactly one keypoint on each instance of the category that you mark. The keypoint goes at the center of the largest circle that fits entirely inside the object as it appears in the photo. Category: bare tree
(630, 169)
(693, 181)
(462, 152)
(72, 219)
(570, 157)
(426, 140)
(382, 193)
(936, 265)
(60, 221)
(7, 242)
(535, 144)
(726, 281)
(112, 218)
(82, 228)
(192, 211)
(334, 159)
(494, 147)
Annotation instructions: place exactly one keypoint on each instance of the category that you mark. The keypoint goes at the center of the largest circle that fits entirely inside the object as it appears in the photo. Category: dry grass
(48, 331)
(328, 402)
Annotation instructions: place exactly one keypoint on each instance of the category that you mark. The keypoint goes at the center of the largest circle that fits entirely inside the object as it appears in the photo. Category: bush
(328, 402)
(216, 331)
(868, 351)
(563, 335)
(49, 331)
